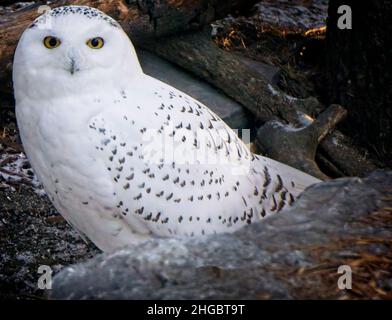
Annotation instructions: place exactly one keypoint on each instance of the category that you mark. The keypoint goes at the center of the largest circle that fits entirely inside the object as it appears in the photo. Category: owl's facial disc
(74, 56)
(78, 49)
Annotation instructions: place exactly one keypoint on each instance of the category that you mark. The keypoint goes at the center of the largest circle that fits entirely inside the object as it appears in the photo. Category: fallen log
(300, 145)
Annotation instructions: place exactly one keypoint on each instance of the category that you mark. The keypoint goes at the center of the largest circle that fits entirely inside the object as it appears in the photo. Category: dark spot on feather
(267, 177)
(291, 200)
(280, 184)
(156, 219)
(274, 206)
(139, 211)
(169, 196)
(138, 197)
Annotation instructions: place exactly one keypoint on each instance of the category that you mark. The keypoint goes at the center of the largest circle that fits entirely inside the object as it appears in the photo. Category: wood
(299, 145)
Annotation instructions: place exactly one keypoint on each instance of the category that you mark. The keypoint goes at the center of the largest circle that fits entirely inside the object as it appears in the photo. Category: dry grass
(370, 259)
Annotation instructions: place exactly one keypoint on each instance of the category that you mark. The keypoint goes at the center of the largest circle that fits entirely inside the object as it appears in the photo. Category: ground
(33, 234)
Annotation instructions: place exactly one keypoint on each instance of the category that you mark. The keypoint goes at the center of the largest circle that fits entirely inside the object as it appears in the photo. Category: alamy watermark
(199, 147)
(345, 21)
(45, 280)
(346, 278)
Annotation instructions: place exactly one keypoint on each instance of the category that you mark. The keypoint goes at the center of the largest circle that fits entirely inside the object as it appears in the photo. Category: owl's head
(73, 47)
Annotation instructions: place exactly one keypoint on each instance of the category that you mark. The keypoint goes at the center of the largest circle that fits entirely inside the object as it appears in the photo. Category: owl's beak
(74, 58)
(72, 66)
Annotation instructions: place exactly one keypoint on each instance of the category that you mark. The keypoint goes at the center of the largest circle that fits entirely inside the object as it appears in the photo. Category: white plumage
(123, 156)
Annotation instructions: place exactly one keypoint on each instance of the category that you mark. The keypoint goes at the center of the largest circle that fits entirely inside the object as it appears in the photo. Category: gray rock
(229, 110)
(247, 264)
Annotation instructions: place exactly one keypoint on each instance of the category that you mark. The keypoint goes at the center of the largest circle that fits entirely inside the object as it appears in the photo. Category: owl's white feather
(123, 156)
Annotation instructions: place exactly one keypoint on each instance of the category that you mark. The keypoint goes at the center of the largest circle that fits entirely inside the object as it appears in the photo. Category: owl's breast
(64, 158)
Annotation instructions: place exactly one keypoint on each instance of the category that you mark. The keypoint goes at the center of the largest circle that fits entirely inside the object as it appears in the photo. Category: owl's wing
(177, 168)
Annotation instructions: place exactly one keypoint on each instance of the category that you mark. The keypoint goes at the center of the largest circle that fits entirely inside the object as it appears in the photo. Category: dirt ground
(33, 234)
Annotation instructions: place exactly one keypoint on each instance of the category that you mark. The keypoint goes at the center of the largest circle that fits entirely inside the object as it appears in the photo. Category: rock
(229, 110)
(273, 259)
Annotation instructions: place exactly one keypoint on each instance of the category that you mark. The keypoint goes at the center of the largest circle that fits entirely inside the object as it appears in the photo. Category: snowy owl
(123, 156)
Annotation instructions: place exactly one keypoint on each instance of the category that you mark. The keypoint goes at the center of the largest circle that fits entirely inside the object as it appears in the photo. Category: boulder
(294, 254)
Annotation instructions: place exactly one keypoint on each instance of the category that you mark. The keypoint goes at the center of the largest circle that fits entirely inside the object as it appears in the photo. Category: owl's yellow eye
(51, 42)
(96, 43)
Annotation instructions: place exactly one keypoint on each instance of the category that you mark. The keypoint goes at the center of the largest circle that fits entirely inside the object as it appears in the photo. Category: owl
(124, 157)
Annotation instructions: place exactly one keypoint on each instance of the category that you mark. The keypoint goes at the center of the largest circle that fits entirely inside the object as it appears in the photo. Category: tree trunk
(360, 72)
